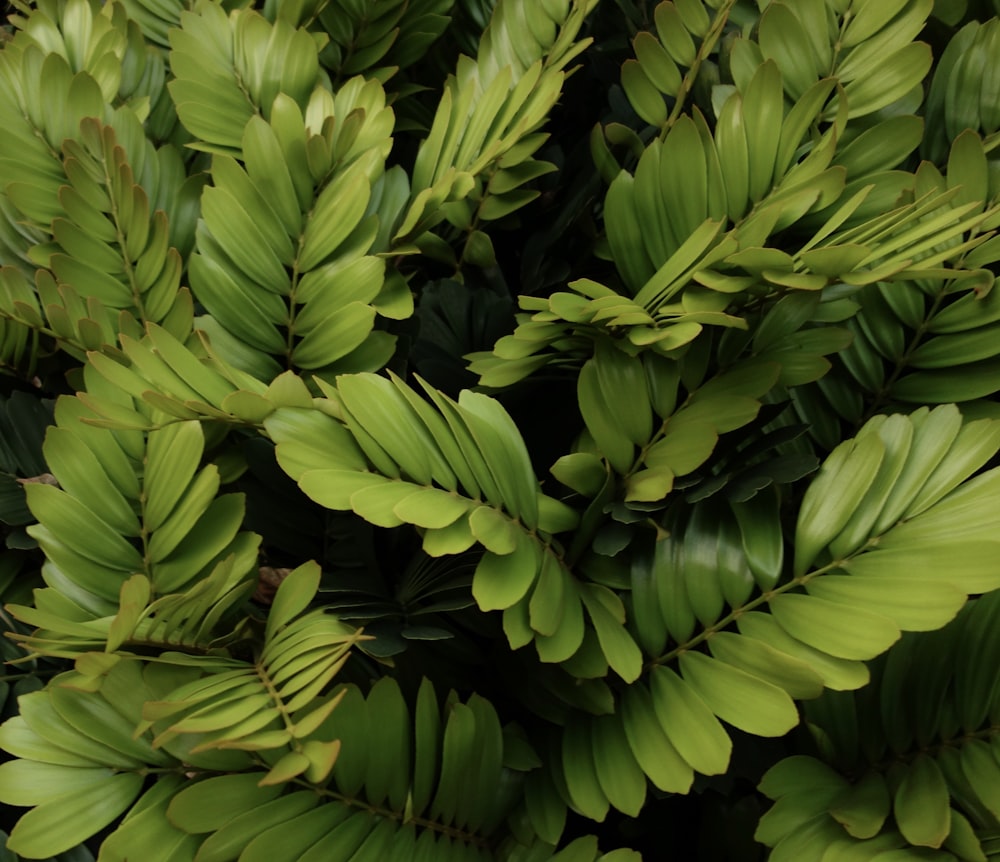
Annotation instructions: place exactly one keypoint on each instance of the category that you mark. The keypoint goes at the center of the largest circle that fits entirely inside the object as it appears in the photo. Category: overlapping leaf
(78, 765)
(887, 541)
(110, 250)
(479, 149)
(958, 97)
(739, 237)
(925, 336)
(228, 68)
(272, 703)
(132, 518)
(90, 39)
(284, 262)
(902, 769)
(659, 80)
(365, 35)
(92, 191)
(651, 435)
(106, 42)
(30, 170)
(156, 18)
(667, 229)
(469, 482)
(73, 741)
(441, 780)
(867, 45)
(943, 232)
(444, 779)
(65, 64)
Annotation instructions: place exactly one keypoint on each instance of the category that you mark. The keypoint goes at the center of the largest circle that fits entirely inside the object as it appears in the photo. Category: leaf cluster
(470, 430)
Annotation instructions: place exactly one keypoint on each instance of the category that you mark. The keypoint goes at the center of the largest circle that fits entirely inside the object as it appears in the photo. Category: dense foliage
(500, 430)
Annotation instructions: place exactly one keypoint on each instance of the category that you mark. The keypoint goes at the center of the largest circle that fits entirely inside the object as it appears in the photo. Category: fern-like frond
(34, 83)
(134, 518)
(373, 37)
(270, 704)
(229, 68)
(286, 260)
(438, 782)
(93, 197)
(111, 247)
(667, 63)
(78, 765)
(896, 770)
(954, 102)
(164, 380)
(479, 149)
(350, 776)
(95, 734)
(866, 45)
(887, 541)
(655, 434)
(469, 482)
(92, 39)
(922, 337)
(684, 274)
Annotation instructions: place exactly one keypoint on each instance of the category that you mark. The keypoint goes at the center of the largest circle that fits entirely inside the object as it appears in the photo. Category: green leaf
(498, 533)
(689, 724)
(840, 630)
(389, 746)
(767, 663)
(298, 834)
(644, 96)
(501, 581)
(653, 750)
(432, 508)
(568, 637)
(622, 382)
(617, 770)
(901, 72)
(212, 803)
(980, 767)
(174, 453)
(61, 824)
(548, 597)
(834, 495)
(962, 564)
(738, 698)
(230, 838)
(90, 536)
(582, 784)
(921, 804)
(762, 537)
(864, 807)
(912, 604)
(943, 386)
(24, 782)
(293, 597)
(619, 648)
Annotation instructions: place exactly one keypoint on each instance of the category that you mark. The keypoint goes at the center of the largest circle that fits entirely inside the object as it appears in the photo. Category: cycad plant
(506, 430)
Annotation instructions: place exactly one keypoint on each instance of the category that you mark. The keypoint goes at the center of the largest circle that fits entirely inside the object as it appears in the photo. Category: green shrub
(517, 430)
